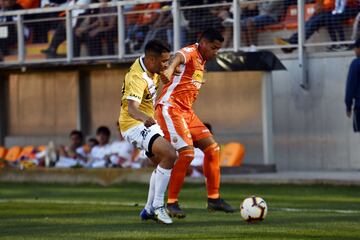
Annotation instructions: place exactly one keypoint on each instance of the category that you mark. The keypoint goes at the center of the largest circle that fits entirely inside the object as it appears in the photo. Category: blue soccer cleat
(144, 215)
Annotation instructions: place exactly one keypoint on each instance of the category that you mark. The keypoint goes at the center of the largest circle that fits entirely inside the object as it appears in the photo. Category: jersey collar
(197, 47)
(142, 64)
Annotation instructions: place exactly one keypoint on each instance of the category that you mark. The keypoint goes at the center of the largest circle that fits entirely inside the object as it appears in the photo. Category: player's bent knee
(171, 154)
(164, 150)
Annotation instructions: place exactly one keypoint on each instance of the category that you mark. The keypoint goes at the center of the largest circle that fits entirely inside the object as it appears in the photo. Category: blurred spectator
(100, 154)
(104, 27)
(201, 18)
(344, 10)
(223, 13)
(26, 4)
(320, 19)
(139, 24)
(162, 27)
(91, 143)
(270, 13)
(249, 10)
(74, 154)
(86, 23)
(130, 24)
(40, 29)
(121, 152)
(60, 32)
(52, 3)
(8, 33)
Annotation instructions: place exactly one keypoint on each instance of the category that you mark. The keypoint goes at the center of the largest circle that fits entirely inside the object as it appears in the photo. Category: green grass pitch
(58, 211)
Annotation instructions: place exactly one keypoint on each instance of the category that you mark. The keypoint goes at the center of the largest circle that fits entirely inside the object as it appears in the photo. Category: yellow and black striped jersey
(140, 87)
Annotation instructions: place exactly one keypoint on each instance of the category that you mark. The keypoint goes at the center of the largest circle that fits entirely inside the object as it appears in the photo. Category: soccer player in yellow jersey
(138, 126)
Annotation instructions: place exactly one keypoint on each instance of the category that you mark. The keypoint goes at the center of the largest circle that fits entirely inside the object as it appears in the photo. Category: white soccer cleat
(162, 216)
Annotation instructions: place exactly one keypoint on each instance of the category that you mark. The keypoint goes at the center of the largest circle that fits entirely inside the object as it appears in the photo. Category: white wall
(311, 130)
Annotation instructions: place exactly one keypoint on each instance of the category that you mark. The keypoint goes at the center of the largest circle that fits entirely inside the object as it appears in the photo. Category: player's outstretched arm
(175, 62)
(134, 112)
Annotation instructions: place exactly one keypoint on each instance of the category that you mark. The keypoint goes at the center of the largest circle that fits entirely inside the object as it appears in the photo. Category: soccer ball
(253, 209)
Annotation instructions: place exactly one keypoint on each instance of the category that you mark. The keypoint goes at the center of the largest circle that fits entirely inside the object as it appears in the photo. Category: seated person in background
(60, 32)
(74, 154)
(223, 14)
(100, 154)
(138, 25)
(209, 17)
(105, 27)
(320, 19)
(121, 151)
(39, 29)
(344, 10)
(8, 33)
(161, 28)
(269, 13)
(91, 143)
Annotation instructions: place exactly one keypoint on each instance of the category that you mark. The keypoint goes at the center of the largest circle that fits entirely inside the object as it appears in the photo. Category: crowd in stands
(100, 152)
(97, 28)
(97, 152)
(330, 14)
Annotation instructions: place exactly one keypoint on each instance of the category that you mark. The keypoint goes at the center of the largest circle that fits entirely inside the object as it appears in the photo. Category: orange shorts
(180, 127)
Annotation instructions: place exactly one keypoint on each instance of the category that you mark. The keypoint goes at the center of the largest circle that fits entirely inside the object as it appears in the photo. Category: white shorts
(142, 137)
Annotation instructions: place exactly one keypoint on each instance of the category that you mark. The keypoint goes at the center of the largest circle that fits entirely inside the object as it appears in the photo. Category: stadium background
(44, 97)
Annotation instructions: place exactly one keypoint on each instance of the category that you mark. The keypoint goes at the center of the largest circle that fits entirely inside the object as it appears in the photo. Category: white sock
(151, 194)
(162, 177)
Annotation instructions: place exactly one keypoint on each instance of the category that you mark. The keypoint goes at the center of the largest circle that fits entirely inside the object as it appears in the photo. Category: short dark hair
(212, 35)
(103, 130)
(156, 47)
(77, 132)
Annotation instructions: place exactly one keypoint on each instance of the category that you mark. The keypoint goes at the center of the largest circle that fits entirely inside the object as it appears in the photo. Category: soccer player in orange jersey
(183, 128)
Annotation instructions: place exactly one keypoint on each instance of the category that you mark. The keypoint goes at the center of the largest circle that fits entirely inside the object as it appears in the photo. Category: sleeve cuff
(134, 99)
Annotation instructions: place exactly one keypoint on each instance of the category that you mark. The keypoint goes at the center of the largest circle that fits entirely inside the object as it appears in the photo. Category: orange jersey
(182, 90)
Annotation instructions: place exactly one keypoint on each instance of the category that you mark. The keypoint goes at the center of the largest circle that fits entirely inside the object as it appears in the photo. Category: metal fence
(119, 30)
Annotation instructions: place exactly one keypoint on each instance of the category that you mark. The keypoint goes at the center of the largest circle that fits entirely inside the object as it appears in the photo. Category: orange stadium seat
(27, 152)
(13, 154)
(291, 15)
(290, 20)
(232, 154)
(3, 151)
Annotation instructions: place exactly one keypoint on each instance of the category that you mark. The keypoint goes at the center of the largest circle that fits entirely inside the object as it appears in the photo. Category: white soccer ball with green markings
(253, 209)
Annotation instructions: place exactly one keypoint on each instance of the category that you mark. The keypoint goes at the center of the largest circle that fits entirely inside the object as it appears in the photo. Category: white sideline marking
(107, 203)
(316, 210)
(133, 204)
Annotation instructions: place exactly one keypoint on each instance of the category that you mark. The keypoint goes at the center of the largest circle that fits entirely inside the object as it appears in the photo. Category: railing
(67, 29)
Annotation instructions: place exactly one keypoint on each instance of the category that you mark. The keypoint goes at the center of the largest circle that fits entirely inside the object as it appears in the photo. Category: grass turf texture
(57, 211)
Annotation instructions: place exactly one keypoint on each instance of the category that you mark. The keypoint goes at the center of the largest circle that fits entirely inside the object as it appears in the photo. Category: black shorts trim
(149, 153)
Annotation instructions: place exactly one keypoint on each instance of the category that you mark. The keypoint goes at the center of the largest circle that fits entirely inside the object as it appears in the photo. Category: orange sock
(178, 174)
(212, 170)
